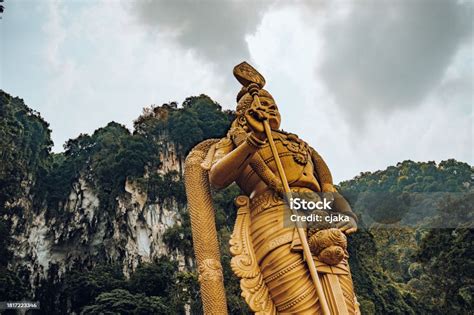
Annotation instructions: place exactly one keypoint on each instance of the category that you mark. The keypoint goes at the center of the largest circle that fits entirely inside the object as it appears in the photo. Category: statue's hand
(348, 227)
(255, 117)
(277, 186)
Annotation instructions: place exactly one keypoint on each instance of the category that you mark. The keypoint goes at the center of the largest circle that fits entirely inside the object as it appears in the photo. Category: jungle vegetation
(422, 268)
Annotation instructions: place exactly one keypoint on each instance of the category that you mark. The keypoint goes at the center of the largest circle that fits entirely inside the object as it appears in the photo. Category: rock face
(170, 159)
(70, 222)
(80, 234)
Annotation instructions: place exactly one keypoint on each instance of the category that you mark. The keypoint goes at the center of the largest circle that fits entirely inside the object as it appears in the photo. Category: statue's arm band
(254, 142)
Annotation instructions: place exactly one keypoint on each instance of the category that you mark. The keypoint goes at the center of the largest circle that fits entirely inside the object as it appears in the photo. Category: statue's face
(272, 109)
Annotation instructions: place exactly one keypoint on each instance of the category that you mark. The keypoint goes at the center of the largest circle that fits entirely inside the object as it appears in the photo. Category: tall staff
(254, 81)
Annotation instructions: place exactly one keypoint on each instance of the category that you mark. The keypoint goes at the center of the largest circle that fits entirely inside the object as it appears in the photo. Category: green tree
(82, 286)
(121, 301)
(154, 279)
(25, 141)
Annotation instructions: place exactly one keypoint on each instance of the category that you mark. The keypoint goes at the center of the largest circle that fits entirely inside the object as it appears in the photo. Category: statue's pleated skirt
(284, 270)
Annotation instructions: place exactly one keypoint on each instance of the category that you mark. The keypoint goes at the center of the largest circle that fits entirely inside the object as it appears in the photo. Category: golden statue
(282, 269)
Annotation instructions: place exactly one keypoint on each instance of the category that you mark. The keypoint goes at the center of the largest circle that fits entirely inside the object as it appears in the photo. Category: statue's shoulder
(217, 150)
(282, 133)
(224, 143)
(288, 136)
(205, 152)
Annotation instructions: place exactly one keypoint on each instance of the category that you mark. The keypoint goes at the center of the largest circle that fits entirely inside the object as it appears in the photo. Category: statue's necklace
(298, 147)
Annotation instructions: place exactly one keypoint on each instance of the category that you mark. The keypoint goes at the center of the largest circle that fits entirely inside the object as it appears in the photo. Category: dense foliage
(447, 176)
(398, 268)
(156, 287)
(106, 160)
(199, 118)
(25, 145)
(414, 251)
(445, 260)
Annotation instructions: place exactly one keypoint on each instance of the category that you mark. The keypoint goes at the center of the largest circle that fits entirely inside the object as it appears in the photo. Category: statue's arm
(340, 203)
(229, 162)
(322, 171)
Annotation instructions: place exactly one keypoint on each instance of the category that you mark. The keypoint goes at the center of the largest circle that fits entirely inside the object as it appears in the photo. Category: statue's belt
(269, 198)
(289, 237)
(268, 232)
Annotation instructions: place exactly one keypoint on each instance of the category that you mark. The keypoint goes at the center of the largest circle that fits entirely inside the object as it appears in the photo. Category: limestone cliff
(83, 234)
(112, 199)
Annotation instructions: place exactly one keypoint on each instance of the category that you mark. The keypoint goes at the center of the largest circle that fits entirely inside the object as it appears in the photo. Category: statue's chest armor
(294, 155)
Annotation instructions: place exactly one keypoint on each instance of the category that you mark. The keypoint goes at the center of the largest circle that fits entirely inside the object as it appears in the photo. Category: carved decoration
(244, 263)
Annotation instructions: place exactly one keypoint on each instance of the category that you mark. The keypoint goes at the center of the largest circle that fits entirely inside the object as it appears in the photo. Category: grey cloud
(213, 29)
(391, 54)
(384, 55)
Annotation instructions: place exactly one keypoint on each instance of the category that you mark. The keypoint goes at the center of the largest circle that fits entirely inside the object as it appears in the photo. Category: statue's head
(244, 103)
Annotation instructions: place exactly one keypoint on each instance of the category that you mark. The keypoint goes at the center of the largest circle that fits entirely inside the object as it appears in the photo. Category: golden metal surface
(283, 270)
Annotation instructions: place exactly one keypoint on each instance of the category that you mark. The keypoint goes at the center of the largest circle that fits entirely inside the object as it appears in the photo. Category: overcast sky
(366, 83)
